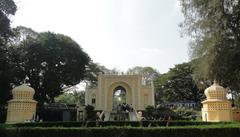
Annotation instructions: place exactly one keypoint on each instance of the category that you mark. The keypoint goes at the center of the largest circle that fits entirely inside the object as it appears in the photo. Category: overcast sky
(115, 33)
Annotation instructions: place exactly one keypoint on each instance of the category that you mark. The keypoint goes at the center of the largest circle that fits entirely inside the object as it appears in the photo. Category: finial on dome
(215, 82)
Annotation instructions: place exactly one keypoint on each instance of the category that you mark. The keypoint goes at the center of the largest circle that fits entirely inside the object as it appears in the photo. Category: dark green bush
(115, 123)
(91, 114)
(120, 123)
(50, 124)
(186, 114)
(3, 115)
(57, 115)
(227, 130)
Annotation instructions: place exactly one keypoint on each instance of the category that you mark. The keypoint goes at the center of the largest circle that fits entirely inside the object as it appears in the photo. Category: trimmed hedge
(114, 123)
(57, 115)
(194, 131)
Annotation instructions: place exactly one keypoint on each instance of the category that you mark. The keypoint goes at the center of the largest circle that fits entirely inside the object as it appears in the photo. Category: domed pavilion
(22, 107)
(216, 107)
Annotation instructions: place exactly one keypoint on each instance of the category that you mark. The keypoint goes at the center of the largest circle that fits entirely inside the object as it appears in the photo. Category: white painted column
(86, 96)
(133, 95)
(99, 90)
(105, 95)
(139, 84)
(152, 96)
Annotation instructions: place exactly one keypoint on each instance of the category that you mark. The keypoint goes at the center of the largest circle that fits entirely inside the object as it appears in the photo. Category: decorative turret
(216, 107)
(216, 91)
(22, 107)
(23, 92)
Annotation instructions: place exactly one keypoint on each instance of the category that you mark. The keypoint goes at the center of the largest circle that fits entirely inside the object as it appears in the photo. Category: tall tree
(149, 74)
(215, 31)
(49, 63)
(92, 72)
(7, 9)
(177, 85)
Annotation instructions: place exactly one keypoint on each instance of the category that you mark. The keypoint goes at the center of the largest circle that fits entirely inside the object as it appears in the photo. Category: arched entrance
(119, 97)
(118, 88)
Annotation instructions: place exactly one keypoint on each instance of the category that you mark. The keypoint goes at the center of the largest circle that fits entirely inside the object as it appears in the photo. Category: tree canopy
(214, 28)
(49, 63)
(177, 85)
(7, 9)
(149, 74)
(74, 97)
(94, 70)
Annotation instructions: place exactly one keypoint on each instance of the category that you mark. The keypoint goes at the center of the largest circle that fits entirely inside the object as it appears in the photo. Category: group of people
(124, 107)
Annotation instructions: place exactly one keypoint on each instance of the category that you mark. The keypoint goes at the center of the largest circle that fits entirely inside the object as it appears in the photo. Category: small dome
(216, 91)
(23, 92)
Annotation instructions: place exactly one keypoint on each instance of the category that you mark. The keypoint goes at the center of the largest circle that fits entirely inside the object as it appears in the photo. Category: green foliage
(71, 98)
(186, 114)
(7, 8)
(164, 113)
(149, 74)
(230, 130)
(177, 85)
(91, 114)
(50, 63)
(94, 70)
(145, 123)
(237, 102)
(159, 113)
(21, 34)
(214, 28)
(150, 112)
(57, 115)
(3, 115)
(52, 115)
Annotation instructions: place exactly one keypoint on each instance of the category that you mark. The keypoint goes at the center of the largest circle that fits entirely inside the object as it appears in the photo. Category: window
(93, 100)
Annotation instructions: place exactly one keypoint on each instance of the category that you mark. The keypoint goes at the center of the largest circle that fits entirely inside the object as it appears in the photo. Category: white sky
(115, 33)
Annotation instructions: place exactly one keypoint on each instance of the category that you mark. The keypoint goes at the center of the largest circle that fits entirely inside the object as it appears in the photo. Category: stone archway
(119, 96)
(112, 88)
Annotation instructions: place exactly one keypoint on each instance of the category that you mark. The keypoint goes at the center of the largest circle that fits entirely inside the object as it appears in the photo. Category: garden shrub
(3, 115)
(186, 114)
(229, 130)
(145, 123)
(91, 114)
